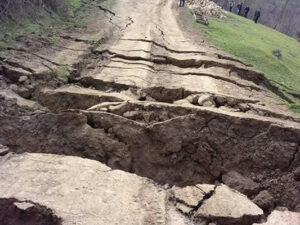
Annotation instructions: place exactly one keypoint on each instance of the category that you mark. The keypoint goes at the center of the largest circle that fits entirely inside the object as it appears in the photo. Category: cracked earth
(149, 98)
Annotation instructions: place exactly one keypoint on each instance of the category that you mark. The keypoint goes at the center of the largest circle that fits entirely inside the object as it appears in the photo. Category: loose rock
(264, 200)
(229, 207)
(237, 181)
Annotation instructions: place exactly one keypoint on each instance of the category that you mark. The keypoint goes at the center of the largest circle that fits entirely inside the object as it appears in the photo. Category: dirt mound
(206, 9)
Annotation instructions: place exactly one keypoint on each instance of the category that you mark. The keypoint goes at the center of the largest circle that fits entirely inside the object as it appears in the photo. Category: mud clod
(15, 212)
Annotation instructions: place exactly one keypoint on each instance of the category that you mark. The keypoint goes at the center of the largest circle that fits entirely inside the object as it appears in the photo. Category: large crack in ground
(169, 120)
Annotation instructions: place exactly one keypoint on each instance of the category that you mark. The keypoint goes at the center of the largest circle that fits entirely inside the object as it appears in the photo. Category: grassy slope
(254, 44)
(45, 25)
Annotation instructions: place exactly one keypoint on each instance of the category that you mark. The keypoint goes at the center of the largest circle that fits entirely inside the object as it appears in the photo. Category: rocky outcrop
(283, 16)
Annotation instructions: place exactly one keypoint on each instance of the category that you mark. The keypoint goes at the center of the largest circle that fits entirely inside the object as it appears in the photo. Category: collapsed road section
(150, 100)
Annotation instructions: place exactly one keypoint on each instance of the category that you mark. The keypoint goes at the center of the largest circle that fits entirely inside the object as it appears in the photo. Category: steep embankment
(42, 20)
(282, 15)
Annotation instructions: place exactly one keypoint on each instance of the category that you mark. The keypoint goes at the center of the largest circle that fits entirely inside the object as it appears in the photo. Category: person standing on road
(181, 3)
(247, 9)
(231, 4)
(256, 16)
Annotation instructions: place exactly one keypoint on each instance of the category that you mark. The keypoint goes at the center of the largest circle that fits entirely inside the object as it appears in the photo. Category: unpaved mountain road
(153, 53)
(155, 99)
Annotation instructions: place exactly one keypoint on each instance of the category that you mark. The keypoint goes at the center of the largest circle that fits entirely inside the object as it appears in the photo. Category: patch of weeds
(54, 39)
(73, 6)
(76, 4)
(295, 107)
(33, 28)
(64, 72)
(3, 45)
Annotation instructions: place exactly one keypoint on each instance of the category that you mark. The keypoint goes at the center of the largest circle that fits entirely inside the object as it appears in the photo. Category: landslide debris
(204, 9)
(146, 103)
(114, 197)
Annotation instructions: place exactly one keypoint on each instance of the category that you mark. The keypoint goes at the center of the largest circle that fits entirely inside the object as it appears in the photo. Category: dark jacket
(257, 13)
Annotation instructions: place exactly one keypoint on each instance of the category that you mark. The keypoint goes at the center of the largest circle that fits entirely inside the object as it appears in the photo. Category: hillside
(282, 15)
(44, 20)
(255, 44)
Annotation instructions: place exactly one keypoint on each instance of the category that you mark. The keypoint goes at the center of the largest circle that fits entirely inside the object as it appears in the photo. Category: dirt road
(152, 52)
(153, 98)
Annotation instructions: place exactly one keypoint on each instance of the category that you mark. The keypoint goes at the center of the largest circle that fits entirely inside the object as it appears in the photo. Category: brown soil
(152, 98)
(15, 212)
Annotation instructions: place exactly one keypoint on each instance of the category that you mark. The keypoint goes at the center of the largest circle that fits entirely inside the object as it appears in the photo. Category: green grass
(254, 44)
(64, 72)
(295, 107)
(76, 4)
(44, 25)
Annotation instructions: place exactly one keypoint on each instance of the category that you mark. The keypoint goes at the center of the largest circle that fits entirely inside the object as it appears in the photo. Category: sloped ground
(255, 44)
(149, 99)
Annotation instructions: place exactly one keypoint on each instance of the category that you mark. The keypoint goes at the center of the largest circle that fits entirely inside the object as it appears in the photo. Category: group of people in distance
(239, 9)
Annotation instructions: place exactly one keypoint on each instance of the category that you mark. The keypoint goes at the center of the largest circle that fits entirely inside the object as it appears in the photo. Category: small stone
(206, 100)
(264, 200)
(166, 186)
(244, 107)
(23, 205)
(296, 173)
(3, 150)
(23, 79)
(131, 114)
(25, 92)
(221, 101)
(14, 87)
(209, 104)
(242, 184)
